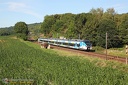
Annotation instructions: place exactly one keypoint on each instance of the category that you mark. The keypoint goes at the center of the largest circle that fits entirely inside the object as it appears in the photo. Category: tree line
(88, 26)
(92, 26)
(32, 30)
(6, 31)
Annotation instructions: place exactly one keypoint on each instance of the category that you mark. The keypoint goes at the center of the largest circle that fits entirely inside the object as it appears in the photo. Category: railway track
(93, 54)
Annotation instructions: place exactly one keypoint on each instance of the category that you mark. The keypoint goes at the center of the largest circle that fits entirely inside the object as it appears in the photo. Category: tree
(21, 29)
(123, 28)
(80, 21)
(70, 33)
(98, 11)
(111, 11)
(108, 26)
(92, 26)
(109, 14)
(46, 26)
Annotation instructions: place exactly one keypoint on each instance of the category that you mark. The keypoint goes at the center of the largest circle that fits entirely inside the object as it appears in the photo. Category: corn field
(21, 61)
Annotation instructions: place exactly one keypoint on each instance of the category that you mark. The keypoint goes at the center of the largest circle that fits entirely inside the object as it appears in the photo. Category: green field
(25, 60)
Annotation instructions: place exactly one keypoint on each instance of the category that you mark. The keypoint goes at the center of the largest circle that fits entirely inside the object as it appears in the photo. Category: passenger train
(76, 44)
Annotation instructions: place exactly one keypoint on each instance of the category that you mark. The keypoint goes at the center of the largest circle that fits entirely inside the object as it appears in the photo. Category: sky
(34, 11)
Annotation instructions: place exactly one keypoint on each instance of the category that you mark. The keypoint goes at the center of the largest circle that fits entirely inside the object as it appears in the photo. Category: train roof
(64, 40)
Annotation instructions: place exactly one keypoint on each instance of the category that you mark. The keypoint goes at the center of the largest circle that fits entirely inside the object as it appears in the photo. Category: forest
(89, 26)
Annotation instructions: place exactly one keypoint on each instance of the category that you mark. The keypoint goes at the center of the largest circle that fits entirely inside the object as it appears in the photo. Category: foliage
(21, 29)
(92, 26)
(34, 31)
(22, 61)
(98, 48)
(6, 31)
(123, 28)
(109, 27)
(22, 36)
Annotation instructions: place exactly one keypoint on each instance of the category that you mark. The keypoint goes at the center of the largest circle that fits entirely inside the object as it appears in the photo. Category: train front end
(85, 45)
(88, 44)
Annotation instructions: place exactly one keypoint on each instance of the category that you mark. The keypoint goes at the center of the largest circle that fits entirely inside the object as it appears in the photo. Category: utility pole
(106, 44)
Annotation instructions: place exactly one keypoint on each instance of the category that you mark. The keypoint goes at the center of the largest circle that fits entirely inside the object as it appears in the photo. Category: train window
(61, 43)
(65, 43)
(71, 44)
(78, 45)
(52, 42)
(45, 41)
(58, 42)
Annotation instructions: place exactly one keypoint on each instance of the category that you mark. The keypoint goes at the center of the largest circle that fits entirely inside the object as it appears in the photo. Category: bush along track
(20, 61)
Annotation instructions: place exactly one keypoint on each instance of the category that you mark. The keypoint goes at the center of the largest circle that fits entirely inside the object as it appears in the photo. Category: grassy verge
(112, 51)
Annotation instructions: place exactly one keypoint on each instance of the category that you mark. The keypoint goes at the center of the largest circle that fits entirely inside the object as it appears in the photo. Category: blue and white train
(76, 44)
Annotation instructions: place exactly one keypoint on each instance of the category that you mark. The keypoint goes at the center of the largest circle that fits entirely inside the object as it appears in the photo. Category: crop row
(20, 61)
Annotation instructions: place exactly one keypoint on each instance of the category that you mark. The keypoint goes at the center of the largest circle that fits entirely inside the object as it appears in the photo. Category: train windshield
(87, 42)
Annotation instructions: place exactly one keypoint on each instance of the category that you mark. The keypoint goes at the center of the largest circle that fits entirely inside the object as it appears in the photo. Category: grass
(117, 52)
(97, 61)
(26, 60)
(112, 51)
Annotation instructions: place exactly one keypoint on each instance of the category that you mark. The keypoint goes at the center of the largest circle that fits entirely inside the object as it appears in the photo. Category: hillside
(33, 28)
